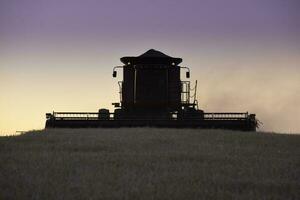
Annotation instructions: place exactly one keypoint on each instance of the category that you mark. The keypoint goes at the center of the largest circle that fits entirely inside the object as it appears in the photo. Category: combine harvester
(153, 95)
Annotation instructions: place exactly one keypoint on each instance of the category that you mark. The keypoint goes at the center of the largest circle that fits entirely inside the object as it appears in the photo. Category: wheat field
(149, 163)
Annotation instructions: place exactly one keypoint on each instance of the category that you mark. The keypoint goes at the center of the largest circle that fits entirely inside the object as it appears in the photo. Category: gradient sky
(58, 55)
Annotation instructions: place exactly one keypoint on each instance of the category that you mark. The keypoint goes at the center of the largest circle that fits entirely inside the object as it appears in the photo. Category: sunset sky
(58, 55)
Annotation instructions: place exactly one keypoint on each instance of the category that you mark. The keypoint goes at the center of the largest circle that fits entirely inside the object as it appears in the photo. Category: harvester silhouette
(152, 94)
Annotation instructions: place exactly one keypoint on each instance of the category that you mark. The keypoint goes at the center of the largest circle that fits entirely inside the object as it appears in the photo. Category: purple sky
(140, 19)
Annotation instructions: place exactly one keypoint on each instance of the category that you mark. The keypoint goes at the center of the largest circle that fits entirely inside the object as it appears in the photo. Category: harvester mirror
(114, 74)
(187, 74)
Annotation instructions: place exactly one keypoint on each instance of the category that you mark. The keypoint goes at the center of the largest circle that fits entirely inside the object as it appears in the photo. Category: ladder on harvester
(187, 99)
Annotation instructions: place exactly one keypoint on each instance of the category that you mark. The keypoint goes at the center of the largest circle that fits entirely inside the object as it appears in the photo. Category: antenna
(194, 96)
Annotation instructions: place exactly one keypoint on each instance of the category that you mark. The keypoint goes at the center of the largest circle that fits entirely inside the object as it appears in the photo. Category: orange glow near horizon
(266, 83)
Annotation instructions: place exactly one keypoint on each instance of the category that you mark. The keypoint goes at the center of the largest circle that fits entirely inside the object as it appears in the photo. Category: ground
(148, 163)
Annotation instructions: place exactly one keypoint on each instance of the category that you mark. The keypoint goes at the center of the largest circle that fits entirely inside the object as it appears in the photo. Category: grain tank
(151, 86)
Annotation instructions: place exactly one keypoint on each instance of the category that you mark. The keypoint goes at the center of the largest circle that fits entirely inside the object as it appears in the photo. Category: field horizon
(149, 163)
(24, 132)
